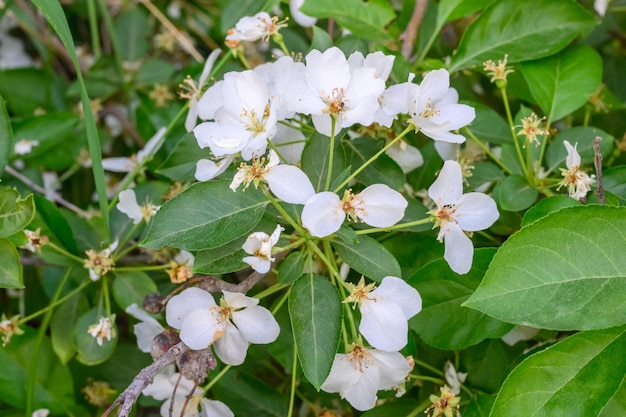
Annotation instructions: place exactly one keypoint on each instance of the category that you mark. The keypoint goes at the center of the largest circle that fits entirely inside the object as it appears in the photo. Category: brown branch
(597, 161)
(410, 34)
(127, 398)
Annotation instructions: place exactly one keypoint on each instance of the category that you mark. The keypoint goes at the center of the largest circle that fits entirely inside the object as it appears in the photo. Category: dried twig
(409, 35)
(127, 398)
(597, 160)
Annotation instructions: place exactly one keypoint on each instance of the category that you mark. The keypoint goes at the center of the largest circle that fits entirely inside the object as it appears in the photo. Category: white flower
(277, 76)
(333, 89)
(434, 108)
(238, 320)
(454, 378)
(395, 100)
(51, 185)
(42, 412)
(207, 169)
(290, 143)
(24, 146)
(123, 164)
(600, 6)
(147, 328)
(253, 28)
(103, 329)
(195, 91)
(260, 244)
(385, 311)
(128, 205)
(287, 182)
(408, 157)
(300, 18)
(377, 205)
(101, 262)
(577, 182)
(360, 374)
(181, 267)
(519, 333)
(457, 212)
(187, 396)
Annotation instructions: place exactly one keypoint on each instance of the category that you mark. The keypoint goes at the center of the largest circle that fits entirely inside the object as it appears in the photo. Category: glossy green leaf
(443, 322)
(576, 377)
(368, 257)
(455, 9)
(315, 157)
(133, 33)
(484, 172)
(383, 170)
(486, 365)
(221, 260)
(547, 206)
(62, 325)
(89, 351)
(26, 89)
(292, 267)
(54, 387)
(132, 287)
(558, 84)
(566, 271)
(58, 225)
(205, 216)
(522, 29)
(403, 407)
(6, 136)
(315, 311)
(488, 126)
(514, 194)
(615, 181)
(584, 136)
(181, 162)
(10, 267)
(412, 251)
(366, 19)
(15, 212)
(321, 39)
(250, 394)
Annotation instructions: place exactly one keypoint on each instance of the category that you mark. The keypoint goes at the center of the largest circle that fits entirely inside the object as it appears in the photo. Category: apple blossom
(260, 244)
(253, 28)
(434, 108)
(454, 378)
(181, 267)
(385, 311)
(408, 157)
(457, 212)
(577, 182)
(377, 205)
(194, 92)
(24, 146)
(147, 328)
(101, 262)
(124, 164)
(103, 329)
(128, 205)
(300, 18)
(358, 376)
(207, 169)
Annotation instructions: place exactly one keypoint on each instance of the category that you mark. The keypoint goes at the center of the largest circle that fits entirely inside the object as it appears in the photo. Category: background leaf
(132, 287)
(557, 83)
(522, 29)
(89, 352)
(383, 170)
(6, 136)
(10, 267)
(576, 377)
(368, 257)
(563, 272)
(315, 311)
(15, 212)
(584, 136)
(62, 325)
(315, 158)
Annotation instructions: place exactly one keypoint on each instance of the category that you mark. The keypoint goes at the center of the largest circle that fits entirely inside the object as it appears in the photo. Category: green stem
(372, 159)
(108, 22)
(105, 293)
(394, 227)
(331, 153)
(271, 290)
(487, 151)
(56, 303)
(121, 243)
(143, 268)
(294, 379)
(509, 118)
(63, 252)
(436, 380)
(430, 368)
(282, 301)
(94, 29)
(290, 246)
(33, 365)
(283, 212)
(213, 381)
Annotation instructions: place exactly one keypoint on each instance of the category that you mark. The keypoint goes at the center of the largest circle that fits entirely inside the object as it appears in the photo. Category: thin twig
(41, 190)
(127, 398)
(597, 161)
(410, 34)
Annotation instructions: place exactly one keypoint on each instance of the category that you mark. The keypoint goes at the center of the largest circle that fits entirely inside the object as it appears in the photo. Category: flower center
(429, 110)
(360, 358)
(336, 101)
(352, 205)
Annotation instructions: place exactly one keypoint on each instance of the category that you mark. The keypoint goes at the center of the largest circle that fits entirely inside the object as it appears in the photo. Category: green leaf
(251, 394)
(455, 9)
(205, 216)
(54, 387)
(514, 194)
(403, 407)
(62, 325)
(368, 257)
(26, 89)
(321, 40)
(10, 267)
(89, 352)
(15, 212)
(221, 260)
(615, 181)
(565, 271)
(367, 19)
(181, 162)
(53, 12)
(6, 136)
(292, 267)
(486, 365)
(489, 126)
(404, 248)
(557, 83)
(522, 29)
(383, 170)
(547, 206)
(132, 287)
(576, 377)
(133, 30)
(315, 157)
(54, 220)
(443, 322)
(315, 311)
(584, 136)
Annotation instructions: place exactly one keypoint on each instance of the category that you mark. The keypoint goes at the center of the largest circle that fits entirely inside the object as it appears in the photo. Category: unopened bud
(153, 303)
(195, 365)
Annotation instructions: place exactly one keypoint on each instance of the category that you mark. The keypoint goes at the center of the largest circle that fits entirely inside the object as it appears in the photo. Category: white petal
(519, 333)
(260, 265)
(460, 115)
(293, 141)
(184, 303)
(238, 300)
(322, 214)
(383, 206)
(200, 328)
(393, 368)
(128, 205)
(120, 164)
(145, 333)
(398, 292)
(152, 146)
(600, 6)
(232, 347)
(342, 376)
(459, 250)
(256, 324)
(208, 66)
(207, 169)
(300, 18)
(213, 408)
(448, 187)
(407, 156)
(447, 150)
(383, 325)
(161, 388)
(290, 184)
(476, 211)
(362, 395)
(185, 258)
(573, 157)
